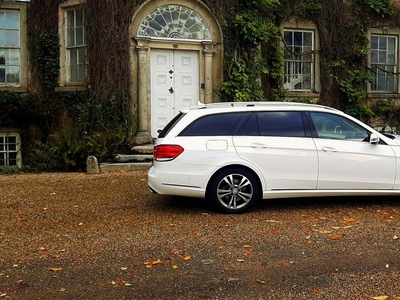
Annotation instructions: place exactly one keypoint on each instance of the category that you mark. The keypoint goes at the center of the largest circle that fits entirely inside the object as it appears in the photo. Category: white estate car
(236, 153)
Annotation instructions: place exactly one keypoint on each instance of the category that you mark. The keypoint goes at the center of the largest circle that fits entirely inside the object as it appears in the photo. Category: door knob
(171, 90)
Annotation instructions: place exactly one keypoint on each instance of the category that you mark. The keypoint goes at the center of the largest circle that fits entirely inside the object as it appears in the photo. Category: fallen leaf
(124, 268)
(283, 263)
(261, 281)
(151, 263)
(350, 220)
(55, 269)
(380, 297)
(186, 257)
(247, 246)
(336, 237)
(240, 260)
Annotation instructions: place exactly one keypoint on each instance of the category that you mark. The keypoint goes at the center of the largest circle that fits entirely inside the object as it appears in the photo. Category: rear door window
(275, 123)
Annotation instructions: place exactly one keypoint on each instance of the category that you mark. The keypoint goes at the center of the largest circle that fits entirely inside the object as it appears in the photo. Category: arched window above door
(174, 22)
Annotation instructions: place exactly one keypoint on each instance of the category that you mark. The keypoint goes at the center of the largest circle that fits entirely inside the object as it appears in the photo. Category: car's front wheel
(234, 190)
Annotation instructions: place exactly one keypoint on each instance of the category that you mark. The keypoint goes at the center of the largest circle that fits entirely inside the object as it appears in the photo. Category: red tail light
(167, 152)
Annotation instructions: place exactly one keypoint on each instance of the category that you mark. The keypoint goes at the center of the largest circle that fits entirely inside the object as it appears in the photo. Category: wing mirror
(373, 139)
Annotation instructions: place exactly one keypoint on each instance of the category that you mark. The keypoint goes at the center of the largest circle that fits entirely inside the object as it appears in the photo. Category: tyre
(234, 190)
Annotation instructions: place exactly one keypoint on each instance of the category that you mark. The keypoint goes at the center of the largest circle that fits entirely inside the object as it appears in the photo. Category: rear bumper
(176, 184)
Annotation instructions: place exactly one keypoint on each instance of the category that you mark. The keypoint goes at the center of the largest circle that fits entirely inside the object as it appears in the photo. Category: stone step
(136, 166)
(130, 158)
(143, 149)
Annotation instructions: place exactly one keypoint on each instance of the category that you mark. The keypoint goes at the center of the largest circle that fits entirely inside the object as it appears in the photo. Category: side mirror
(373, 139)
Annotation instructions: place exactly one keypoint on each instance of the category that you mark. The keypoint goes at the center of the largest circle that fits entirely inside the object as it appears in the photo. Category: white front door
(174, 84)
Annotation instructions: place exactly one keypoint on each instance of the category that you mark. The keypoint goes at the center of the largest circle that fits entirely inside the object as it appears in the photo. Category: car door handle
(258, 145)
(328, 149)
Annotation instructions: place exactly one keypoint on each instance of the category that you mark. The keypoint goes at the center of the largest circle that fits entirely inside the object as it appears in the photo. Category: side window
(331, 126)
(10, 51)
(10, 152)
(76, 44)
(215, 125)
(73, 44)
(299, 60)
(384, 63)
(250, 126)
(281, 123)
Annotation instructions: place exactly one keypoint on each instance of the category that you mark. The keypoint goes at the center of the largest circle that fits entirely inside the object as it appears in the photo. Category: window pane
(392, 44)
(74, 73)
(79, 34)
(73, 56)
(2, 75)
(2, 38)
(81, 55)
(79, 18)
(2, 19)
(288, 37)
(374, 56)
(382, 43)
(13, 74)
(374, 42)
(12, 20)
(11, 38)
(13, 57)
(289, 124)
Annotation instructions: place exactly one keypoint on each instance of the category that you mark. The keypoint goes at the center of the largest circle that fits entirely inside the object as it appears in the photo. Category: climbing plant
(250, 27)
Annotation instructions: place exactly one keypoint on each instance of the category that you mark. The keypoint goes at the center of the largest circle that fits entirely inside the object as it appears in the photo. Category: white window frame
(10, 151)
(383, 63)
(66, 49)
(22, 62)
(299, 61)
(301, 24)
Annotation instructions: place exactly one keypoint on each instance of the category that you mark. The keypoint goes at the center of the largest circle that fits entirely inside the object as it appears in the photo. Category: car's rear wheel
(234, 190)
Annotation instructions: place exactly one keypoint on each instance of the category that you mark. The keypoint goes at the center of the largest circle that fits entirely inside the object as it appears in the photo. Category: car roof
(244, 106)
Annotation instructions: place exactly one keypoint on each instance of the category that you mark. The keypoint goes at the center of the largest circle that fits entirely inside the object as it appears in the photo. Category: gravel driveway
(105, 236)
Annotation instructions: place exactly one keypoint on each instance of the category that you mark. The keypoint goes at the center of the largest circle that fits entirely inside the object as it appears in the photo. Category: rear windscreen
(170, 125)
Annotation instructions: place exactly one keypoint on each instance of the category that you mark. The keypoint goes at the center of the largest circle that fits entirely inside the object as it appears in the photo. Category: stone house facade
(176, 59)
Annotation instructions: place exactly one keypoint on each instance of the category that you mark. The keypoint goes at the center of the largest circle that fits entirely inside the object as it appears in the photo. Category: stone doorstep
(143, 149)
(131, 158)
(135, 166)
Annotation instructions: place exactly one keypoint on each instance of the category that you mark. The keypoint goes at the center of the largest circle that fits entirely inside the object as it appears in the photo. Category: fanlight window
(174, 22)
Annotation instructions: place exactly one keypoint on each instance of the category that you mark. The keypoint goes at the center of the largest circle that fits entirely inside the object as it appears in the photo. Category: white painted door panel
(174, 84)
